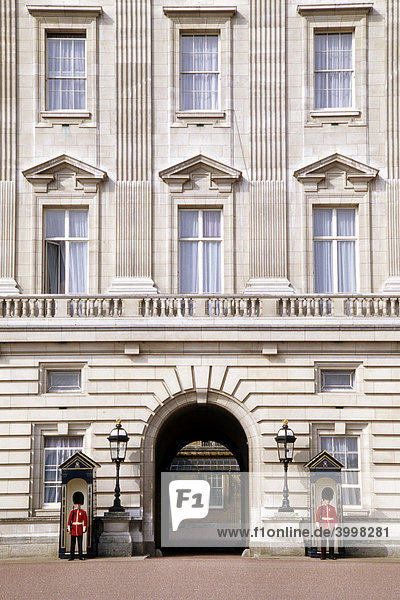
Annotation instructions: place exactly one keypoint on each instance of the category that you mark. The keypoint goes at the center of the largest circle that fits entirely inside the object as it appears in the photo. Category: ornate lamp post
(285, 440)
(118, 439)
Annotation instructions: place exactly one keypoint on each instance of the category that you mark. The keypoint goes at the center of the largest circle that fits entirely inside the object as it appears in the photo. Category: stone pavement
(200, 577)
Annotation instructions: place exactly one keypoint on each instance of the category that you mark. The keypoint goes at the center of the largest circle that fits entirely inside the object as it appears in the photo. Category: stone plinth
(115, 539)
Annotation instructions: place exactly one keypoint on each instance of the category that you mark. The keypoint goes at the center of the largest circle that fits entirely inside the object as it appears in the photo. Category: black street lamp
(285, 440)
(118, 439)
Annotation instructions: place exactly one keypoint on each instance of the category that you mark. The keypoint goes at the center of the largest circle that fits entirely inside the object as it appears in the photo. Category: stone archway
(231, 424)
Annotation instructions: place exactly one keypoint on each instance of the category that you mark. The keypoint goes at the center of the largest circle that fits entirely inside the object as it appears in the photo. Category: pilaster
(8, 121)
(133, 64)
(268, 251)
(392, 284)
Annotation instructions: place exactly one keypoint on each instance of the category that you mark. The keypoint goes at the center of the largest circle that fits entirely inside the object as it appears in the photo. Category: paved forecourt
(199, 577)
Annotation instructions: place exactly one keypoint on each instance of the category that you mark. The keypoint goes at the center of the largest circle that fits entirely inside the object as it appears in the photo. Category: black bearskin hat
(327, 493)
(78, 498)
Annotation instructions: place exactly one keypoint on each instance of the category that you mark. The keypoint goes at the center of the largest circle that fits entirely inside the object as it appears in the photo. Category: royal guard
(77, 525)
(326, 519)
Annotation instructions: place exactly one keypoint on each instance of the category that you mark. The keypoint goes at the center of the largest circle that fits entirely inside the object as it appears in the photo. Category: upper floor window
(337, 380)
(56, 450)
(200, 243)
(335, 250)
(66, 251)
(199, 72)
(66, 71)
(333, 70)
(63, 381)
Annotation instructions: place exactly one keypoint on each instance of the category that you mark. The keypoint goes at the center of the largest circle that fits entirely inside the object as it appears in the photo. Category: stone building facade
(199, 209)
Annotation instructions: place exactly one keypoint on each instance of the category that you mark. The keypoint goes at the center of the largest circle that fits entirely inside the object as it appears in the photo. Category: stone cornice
(335, 7)
(38, 10)
(199, 11)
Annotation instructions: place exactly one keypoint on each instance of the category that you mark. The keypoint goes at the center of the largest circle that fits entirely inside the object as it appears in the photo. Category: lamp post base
(116, 539)
(288, 509)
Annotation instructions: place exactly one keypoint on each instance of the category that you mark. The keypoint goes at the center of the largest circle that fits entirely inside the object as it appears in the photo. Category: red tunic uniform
(77, 522)
(326, 516)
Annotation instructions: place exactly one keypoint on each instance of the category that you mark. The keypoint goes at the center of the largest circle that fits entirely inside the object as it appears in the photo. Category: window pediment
(64, 173)
(317, 175)
(183, 176)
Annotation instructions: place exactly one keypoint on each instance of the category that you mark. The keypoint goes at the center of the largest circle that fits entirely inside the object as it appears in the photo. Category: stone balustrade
(202, 306)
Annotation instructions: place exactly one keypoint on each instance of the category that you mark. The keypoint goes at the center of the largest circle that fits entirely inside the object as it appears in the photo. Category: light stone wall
(267, 132)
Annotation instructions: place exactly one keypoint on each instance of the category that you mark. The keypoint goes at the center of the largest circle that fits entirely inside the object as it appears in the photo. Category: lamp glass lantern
(118, 439)
(285, 440)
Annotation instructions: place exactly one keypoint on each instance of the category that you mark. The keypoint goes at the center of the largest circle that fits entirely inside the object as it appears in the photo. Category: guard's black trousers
(73, 541)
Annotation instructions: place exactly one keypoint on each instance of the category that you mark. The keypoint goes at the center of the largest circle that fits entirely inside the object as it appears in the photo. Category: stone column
(8, 123)
(392, 284)
(268, 247)
(134, 165)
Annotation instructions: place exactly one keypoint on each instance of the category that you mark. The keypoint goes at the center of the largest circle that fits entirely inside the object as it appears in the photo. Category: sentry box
(77, 475)
(325, 474)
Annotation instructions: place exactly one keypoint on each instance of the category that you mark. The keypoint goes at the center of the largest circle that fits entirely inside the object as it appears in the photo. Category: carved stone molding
(357, 175)
(180, 176)
(87, 177)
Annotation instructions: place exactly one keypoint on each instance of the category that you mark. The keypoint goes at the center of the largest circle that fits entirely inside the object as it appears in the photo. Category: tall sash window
(200, 250)
(66, 251)
(335, 250)
(199, 72)
(66, 71)
(56, 450)
(333, 74)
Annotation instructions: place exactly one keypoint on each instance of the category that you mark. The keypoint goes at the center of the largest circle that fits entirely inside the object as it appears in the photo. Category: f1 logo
(188, 499)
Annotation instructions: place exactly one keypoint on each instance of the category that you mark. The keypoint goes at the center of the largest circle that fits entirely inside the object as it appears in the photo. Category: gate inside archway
(203, 439)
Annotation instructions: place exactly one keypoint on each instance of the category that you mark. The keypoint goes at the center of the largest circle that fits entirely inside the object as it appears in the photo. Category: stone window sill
(66, 115)
(212, 114)
(335, 113)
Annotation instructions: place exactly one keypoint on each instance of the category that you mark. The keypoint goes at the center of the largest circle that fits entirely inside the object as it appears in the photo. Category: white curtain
(346, 222)
(188, 224)
(212, 267)
(211, 224)
(188, 268)
(78, 223)
(333, 70)
(199, 57)
(323, 268)
(55, 223)
(322, 222)
(66, 72)
(346, 267)
(77, 267)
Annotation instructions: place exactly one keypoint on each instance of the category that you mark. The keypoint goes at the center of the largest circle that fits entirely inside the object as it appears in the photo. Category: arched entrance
(222, 420)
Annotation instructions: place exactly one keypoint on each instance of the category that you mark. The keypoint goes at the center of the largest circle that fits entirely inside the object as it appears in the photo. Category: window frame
(327, 71)
(68, 20)
(345, 469)
(326, 388)
(57, 484)
(74, 35)
(334, 238)
(52, 389)
(67, 240)
(182, 73)
(321, 18)
(200, 20)
(200, 240)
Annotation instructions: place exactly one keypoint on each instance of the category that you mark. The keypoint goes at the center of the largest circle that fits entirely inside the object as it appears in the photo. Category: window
(345, 449)
(63, 381)
(66, 251)
(66, 71)
(335, 250)
(200, 245)
(56, 450)
(337, 380)
(333, 74)
(199, 72)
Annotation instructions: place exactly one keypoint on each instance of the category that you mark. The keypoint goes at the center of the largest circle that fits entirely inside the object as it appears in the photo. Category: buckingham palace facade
(199, 215)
